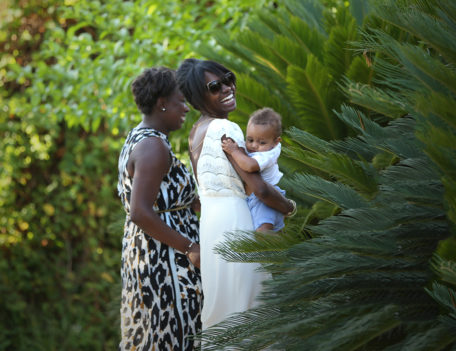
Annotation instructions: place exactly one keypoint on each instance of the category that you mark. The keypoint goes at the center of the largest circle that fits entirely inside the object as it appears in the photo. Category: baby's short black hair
(267, 116)
(152, 84)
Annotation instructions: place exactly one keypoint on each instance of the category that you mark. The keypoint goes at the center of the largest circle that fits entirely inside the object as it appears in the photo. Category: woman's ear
(161, 104)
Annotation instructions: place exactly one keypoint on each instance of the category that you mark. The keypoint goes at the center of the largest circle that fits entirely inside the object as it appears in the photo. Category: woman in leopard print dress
(161, 286)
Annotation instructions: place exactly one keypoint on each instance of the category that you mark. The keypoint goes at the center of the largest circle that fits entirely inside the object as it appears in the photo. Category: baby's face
(260, 138)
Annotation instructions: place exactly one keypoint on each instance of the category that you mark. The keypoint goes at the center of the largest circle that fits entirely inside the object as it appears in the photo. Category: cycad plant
(291, 58)
(366, 279)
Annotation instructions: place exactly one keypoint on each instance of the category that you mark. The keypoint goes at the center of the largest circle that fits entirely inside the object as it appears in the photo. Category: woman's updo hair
(191, 80)
(151, 84)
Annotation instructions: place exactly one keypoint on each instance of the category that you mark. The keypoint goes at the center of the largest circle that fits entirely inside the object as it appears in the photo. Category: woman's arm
(150, 161)
(263, 191)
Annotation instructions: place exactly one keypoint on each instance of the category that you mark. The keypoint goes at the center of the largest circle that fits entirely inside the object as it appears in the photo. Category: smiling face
(220, 103)
(260, 137)
(176, 108)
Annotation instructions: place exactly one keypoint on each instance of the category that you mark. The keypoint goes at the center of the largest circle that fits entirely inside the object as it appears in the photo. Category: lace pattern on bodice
(216, 175)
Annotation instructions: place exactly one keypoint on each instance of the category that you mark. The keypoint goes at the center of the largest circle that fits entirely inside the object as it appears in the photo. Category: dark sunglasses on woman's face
(216, 85)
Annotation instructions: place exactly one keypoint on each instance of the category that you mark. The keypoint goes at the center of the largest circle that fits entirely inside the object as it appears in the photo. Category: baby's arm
(245, 162)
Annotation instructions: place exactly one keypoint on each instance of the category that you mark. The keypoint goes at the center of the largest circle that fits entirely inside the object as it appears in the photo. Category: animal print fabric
(161, 289)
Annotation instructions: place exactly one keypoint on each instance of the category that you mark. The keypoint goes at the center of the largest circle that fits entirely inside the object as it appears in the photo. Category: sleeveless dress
(228, 287)
(161, 289)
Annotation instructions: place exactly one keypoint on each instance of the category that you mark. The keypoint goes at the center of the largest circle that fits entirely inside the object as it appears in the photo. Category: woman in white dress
(227, 287)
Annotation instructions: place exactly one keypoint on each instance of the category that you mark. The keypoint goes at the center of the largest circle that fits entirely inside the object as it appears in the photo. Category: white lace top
(216, 175)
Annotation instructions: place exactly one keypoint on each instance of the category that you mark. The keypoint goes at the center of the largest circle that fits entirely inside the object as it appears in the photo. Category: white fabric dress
(227, 287)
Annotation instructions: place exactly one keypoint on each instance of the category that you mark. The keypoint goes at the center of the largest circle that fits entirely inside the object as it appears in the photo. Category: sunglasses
(216, 85)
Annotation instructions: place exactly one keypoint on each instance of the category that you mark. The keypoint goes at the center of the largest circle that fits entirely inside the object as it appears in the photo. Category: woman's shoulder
(138, 134)
(219, 125)
(223, 122)
(147, 131)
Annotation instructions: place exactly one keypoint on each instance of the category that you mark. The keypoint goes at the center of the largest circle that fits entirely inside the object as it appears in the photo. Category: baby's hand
(229, 146)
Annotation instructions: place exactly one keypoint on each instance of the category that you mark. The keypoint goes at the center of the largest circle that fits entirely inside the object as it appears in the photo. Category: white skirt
(228, 287)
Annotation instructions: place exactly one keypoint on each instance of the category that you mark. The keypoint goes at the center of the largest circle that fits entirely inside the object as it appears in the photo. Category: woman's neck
(205, 114)
(151, 122)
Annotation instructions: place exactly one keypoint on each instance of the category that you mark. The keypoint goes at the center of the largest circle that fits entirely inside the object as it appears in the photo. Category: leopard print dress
(161, 289)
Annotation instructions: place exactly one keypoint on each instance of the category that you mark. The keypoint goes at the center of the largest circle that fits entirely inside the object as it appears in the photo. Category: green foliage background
(65, 107)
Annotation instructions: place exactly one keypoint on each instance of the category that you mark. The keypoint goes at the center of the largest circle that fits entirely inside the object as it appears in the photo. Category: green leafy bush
(66, 106)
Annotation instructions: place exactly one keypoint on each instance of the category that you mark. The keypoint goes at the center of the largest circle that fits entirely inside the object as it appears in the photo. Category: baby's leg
(265, 227)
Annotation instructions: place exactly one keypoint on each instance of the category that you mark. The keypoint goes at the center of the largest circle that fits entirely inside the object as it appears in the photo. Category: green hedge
(65, 71)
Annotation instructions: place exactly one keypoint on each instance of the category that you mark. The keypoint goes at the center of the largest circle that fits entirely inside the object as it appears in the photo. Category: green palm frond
(358, 174)
(424, 337)
(357, 331)
(358, 219)
(356, 148)
(260, 96)
(334, 193)
(267, 23)
(383, 102)
(423, 25)
(445, 294)
(234, 60)
(391, 75)
(240, 331)
(309, 141)
(402, 144)
(288, 50)
(360, 10)
(359, 71)
(450, 196)
(297, 55)
(337, 55)
(361, 124)
(446, 12)
(261, 53)
(340, 167)
(357, 276)
(360, 259)
(293, 39)
(308, 37)
(426, 186)
(442, 147)
(445, 297)
(428, 70)
(308, 11)
(311, 90)
(439, 105)
(318, 211)
(257, 247)
(423, 68)
(390, 139)
(219, 56)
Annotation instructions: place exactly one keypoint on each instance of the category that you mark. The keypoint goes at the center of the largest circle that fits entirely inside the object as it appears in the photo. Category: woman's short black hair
(152, 84)
(190, 77)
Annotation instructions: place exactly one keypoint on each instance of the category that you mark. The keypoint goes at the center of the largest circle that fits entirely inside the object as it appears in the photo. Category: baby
(263, 146)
